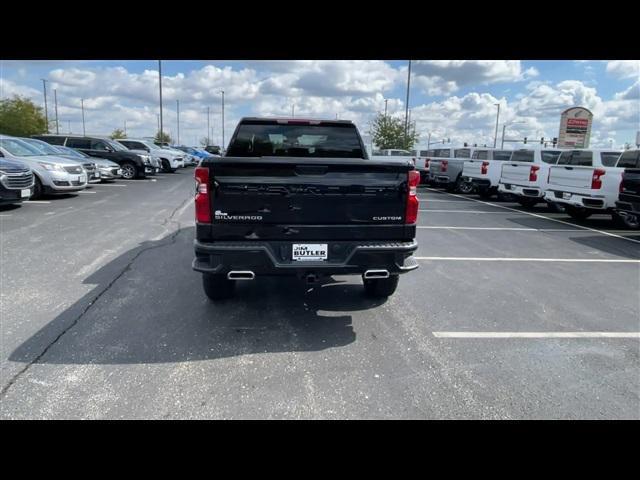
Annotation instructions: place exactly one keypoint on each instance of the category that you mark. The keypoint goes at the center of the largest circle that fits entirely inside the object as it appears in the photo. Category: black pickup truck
(302, 198)
(629, 198)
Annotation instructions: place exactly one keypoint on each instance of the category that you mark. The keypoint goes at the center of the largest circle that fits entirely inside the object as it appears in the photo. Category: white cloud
(9, 89)
(631, 93)
(624, 68)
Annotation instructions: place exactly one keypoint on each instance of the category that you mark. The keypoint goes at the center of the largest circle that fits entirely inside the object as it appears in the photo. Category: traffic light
(525, 139)
(542, 141)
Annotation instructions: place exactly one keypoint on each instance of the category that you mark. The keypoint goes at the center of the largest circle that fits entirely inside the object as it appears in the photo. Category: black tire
(166, 166)
(527, 202)
(629, 222)
(577, 213)
(128, 171)
(485, 193)
(37, 188)
(381, 287)
(555, 207)
(464, 187)
(217, 287)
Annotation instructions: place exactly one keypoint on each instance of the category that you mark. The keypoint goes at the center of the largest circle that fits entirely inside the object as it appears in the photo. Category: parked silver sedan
(108, 170)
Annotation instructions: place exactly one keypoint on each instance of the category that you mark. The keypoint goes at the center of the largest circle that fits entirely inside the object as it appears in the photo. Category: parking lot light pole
(55, 98)
(406, 111)
(208, 127)
(495, 137)
(178, 110)
(84, 132)
(222, 146)
(160, 85)
(46, 115)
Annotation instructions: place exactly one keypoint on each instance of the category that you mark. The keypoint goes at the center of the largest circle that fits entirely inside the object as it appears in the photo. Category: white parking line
(542, 216)
(36, 202)
(84, 192)
(515, 229)
(445, 201)
(1, 215)
(536, 334)
(533, 259)
(110, 185)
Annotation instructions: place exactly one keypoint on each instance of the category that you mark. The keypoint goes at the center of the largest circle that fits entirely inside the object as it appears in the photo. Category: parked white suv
(170, 160)
(483, 169)
(586, 181)
(525, 174)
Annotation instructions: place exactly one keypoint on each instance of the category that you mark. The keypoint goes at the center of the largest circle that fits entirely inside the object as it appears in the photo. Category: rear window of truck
(273, 139)
(609, 159)
(480, 154)
(502, 155)
(442, 153)
(462, 153)
(522, 156)
(578, 158)
(550, 156)
(629, 159)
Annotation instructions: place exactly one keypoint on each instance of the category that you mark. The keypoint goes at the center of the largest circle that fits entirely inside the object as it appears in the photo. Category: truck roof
(296, 120)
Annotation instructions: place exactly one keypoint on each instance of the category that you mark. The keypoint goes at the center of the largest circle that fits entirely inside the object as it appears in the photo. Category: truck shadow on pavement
(148, 306)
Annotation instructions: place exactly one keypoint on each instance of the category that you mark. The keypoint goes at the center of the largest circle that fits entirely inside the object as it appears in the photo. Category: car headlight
(146, 159)
(51, 166)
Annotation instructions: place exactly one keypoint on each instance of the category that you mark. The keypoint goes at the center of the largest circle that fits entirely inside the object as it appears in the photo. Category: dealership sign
(575, 128)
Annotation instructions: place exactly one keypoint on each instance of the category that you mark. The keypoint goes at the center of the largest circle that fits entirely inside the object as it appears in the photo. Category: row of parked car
(581, 182)
(58, 164)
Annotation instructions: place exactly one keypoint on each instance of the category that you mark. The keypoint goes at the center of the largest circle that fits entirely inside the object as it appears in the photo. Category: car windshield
(116, 146)
(70, 152)
(43, 147)
(19, 148)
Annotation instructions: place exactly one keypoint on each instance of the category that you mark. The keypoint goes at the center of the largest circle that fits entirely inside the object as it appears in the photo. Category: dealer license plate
(309, 251)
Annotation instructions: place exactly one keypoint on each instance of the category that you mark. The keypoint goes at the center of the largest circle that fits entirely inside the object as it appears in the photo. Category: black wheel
(527, 202)
(217, 287)
(166, 166)
(577, 213)
(128, 171)
(381, 287)
(631, 222)
(464, 187)
(555, 207)
(37, 188)
(485, 193)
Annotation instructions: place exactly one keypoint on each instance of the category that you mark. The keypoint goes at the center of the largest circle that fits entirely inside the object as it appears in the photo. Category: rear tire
(527, 202)
(630, 222)
(381, 287)
(217, 287)
(577, 213)
(464, 187)
(166, 166)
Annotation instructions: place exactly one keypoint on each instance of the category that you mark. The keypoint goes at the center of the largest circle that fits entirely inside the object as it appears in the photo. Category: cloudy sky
(449, 99)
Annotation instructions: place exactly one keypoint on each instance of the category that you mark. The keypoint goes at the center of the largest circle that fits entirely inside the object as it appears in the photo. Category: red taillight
(203, 207)
(596, 181)
(484, 169)
(411, 214)
(533, 173)
(444, 164)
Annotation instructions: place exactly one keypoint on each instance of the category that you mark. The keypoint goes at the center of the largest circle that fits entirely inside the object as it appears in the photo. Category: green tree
(388, 132)
(21, 117)
(118, 133)
(163, 137)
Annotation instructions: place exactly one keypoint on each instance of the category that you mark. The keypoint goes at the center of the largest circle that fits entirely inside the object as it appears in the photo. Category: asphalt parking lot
(513, 314)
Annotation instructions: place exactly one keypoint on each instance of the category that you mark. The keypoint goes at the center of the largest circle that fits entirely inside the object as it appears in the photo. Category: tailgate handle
(568, 168)
(311, 169)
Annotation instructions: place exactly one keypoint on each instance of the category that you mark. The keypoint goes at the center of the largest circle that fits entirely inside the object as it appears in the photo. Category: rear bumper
(480, 183)
(520, 190)
(577, 200)
(439, 179)
(632, 208)
(274, 258)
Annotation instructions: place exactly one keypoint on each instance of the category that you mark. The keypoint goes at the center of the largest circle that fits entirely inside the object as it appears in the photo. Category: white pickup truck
(483, 169)
(422, 163)
(586, 181)
(445, 168)
(525, 175)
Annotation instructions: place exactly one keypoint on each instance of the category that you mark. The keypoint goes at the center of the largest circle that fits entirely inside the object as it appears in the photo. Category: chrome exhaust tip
(370, 274)
(241, 275)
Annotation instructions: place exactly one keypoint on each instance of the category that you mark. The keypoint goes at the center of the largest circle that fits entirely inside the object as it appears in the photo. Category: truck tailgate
(515, 173)
(282, 197)
(570, 176)
(472, 168)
